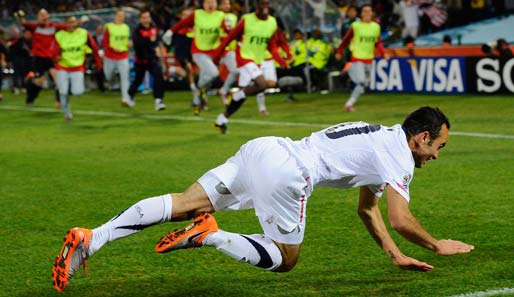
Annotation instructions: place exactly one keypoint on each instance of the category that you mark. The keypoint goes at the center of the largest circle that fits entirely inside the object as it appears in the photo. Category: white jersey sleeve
(395, 172)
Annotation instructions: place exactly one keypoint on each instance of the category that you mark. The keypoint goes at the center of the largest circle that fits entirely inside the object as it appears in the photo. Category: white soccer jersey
(356, 154)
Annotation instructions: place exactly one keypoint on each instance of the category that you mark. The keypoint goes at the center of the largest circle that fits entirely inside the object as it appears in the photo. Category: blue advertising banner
(440, 75)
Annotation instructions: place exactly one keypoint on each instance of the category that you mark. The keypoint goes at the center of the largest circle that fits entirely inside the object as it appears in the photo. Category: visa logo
(439, 75)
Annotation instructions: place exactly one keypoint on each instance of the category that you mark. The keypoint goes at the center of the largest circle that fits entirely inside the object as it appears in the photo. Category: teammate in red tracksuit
(44, 52)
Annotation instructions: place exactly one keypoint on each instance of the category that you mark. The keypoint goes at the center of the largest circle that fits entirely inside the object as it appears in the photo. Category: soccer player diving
(276, 176)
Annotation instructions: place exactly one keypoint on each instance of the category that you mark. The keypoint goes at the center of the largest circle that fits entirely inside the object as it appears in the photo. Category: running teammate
(257, 34)
(269, 70)
(116, 43)
(71, 48)
(208, 24)
(362, 37)
(148, 55)
(43, 51)
(229, 56)
(276, 176)
(182, 41)
(3, 64)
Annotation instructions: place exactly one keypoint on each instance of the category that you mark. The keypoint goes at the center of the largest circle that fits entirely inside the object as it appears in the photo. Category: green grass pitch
(54, 176)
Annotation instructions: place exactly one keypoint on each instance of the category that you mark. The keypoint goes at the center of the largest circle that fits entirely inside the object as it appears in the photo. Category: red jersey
(43, 38)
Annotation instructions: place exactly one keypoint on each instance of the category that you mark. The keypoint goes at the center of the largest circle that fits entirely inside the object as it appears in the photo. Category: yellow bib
(257, 34)
(365, 35)
(73, 47)
(208, 29)
(118, 36)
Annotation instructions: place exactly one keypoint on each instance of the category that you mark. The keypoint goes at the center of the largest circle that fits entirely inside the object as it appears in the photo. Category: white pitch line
(203, 119)
(497, 292)
(483, 135)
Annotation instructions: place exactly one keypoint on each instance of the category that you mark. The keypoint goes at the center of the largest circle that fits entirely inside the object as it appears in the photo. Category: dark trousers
(21, 69)
(154, 68)
(40, 67)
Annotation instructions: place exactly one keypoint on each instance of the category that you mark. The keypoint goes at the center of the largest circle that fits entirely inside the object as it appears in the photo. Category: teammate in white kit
(275, 176)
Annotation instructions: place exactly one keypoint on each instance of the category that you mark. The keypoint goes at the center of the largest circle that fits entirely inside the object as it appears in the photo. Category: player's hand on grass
(448, 247)
(408, 263)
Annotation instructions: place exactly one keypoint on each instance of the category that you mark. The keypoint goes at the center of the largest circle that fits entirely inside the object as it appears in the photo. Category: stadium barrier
(443, 75)
(439, 51)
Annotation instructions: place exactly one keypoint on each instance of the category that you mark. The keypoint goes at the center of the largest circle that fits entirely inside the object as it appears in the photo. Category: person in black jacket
(20, 55)
(146, 47)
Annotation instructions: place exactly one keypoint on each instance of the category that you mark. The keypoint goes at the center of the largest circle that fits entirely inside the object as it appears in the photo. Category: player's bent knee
(290, 254)
(212, 75)
(192, 202)
(287, 265)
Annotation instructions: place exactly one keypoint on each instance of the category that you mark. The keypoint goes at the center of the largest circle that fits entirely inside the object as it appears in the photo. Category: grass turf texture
(55, 176)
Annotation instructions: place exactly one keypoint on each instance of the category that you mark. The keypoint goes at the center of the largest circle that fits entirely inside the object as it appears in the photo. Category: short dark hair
(144, 11)
(425, 118)
(366, 5)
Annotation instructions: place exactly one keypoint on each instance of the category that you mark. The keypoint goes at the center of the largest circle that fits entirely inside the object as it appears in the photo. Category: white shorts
(248, 73)
(269, 70)
(75, 78)
(263, 175)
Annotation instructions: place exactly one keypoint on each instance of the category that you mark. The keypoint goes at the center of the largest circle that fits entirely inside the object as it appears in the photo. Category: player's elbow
(364, 213)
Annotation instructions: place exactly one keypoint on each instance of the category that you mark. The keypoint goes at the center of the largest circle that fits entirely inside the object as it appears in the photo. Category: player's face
(42, 17)
(352, 13)
(366, 14)
(263, 8)
(428, 149)
(210, 5)
(225, 5)
(71, 24)
(27, 35)
(119, 17)
(145, 19)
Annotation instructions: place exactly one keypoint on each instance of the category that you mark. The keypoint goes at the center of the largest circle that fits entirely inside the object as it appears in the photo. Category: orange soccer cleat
(74, 253)
(189, 237)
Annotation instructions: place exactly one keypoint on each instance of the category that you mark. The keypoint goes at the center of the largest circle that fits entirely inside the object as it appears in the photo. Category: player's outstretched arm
(402, 220)
(370, 214)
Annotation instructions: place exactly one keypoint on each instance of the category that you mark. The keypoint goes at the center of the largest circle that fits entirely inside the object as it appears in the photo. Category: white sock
(193, 87)
(357, 91)
(143, 214)
(158, 100)
(239, 95)
(257, 249)
(261, 101)
(221, 119)
(65, 105)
